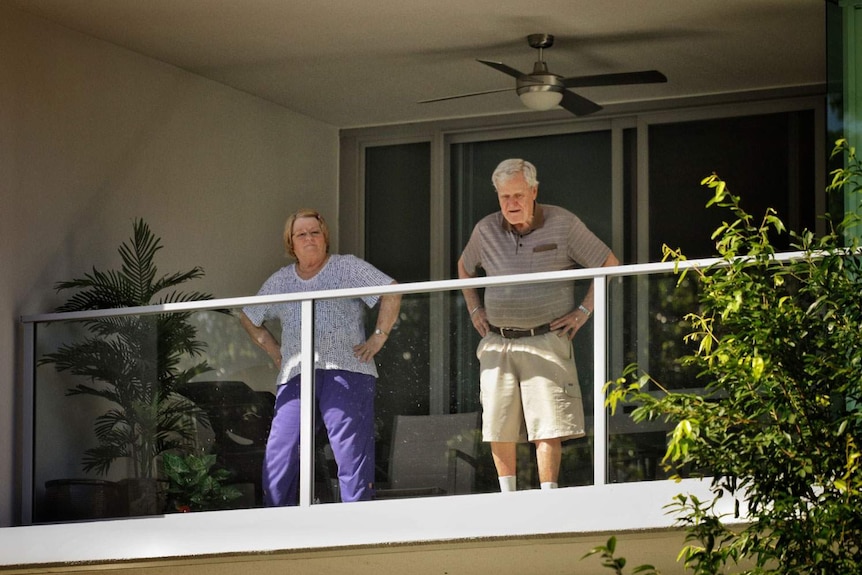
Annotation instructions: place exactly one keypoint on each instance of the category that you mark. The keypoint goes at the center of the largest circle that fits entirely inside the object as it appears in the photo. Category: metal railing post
(28, 394)
(306, 409)
(600, 342)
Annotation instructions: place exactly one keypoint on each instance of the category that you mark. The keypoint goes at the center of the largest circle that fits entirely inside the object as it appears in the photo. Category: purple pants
(345, 402)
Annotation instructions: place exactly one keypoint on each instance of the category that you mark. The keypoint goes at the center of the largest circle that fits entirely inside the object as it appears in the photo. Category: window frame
(442, 135)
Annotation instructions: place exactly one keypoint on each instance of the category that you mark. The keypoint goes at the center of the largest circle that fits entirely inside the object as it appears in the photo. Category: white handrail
(405, 288)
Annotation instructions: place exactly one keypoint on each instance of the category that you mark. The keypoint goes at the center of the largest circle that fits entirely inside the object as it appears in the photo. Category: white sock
(549, 485)
(507, 483)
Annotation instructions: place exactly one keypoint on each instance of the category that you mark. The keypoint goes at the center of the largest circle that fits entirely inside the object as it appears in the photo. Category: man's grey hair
(507, 169)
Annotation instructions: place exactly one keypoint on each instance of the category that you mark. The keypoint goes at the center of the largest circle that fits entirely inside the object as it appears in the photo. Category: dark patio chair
(432, 455)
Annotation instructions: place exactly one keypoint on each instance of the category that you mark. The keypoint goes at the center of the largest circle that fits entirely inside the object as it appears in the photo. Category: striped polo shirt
(558, 240)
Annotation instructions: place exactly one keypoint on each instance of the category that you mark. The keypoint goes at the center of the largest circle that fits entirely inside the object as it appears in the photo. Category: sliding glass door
(635, 182)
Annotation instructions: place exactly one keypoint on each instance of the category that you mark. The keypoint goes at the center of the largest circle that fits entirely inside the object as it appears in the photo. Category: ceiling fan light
(541, 99)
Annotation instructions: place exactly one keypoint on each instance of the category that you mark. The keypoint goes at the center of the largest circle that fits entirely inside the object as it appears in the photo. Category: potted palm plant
(134, 362)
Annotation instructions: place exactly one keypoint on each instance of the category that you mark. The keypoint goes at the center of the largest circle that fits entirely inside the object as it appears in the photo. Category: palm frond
(138, 260)
(100, 290)
(169, 281)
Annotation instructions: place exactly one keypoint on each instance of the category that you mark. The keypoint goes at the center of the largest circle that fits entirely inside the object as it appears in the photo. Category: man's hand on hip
(569, 324)
(480, 321)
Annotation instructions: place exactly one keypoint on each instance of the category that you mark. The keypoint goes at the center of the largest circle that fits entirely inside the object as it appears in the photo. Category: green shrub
(779, 427)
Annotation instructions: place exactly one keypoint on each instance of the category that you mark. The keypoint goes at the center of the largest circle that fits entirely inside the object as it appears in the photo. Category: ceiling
(356, 63)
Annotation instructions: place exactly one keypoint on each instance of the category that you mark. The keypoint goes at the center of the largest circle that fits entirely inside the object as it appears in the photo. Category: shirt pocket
(545, 258)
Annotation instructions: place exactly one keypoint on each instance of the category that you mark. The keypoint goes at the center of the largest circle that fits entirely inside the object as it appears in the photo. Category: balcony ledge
(580, 516)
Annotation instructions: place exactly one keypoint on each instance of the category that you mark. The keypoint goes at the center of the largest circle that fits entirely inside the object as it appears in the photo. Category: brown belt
(515, 333)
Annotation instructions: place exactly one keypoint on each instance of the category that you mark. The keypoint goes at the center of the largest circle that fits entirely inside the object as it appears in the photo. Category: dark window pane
(397, 204)
(766, 160)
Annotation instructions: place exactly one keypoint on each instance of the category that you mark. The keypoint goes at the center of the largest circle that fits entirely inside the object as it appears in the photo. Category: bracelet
(379, 331)
(584, 309)
(475, 309)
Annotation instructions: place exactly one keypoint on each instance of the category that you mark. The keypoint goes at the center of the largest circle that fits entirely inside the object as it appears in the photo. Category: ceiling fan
(544, 90)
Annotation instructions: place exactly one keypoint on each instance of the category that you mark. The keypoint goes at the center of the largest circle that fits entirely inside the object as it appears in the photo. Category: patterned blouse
(339, 323)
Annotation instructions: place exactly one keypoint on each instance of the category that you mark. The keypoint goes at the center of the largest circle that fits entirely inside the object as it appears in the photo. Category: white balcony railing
(600, 507)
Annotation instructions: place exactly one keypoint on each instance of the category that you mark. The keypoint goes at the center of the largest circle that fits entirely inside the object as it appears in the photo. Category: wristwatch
(378, 331)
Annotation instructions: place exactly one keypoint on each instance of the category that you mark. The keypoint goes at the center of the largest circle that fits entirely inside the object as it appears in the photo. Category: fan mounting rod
(540, 42)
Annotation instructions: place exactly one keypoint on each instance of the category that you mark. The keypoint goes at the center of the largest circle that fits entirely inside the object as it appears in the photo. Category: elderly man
(529, 382)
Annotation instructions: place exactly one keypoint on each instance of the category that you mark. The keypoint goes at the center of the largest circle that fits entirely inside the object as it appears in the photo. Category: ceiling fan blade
(465, 95)
(643, 77)
(503, 68)
(578, 105)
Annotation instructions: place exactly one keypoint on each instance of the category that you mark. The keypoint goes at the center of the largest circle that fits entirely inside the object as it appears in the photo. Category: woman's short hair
(288, 228)
(507, 169)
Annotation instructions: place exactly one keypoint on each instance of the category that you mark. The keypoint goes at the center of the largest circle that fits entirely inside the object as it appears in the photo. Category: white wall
(93, 136)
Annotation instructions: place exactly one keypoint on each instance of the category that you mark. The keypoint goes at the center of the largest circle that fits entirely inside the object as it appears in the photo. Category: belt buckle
(503, 331)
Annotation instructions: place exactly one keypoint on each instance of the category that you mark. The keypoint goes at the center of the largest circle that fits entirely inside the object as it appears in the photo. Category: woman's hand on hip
(366, 350)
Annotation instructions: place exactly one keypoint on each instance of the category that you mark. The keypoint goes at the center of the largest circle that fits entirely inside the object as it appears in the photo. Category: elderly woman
(345, 373)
